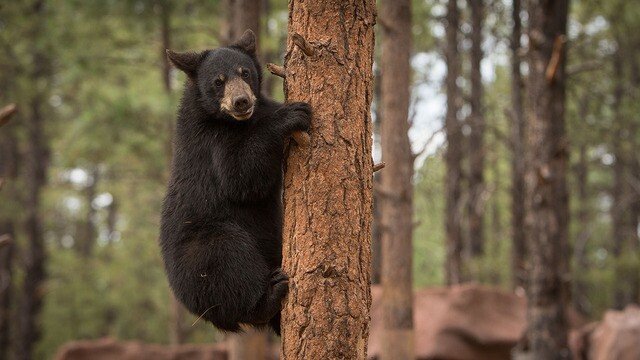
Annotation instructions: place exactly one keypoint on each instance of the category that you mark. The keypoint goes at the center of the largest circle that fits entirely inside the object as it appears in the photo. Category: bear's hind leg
(224, 275)
(270, 304)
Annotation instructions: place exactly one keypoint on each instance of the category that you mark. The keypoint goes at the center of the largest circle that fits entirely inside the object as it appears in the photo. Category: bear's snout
(238, 100)
(241, 103)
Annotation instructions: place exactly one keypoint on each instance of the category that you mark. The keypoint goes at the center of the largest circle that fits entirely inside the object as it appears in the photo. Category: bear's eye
(218, 83)
(245, 73)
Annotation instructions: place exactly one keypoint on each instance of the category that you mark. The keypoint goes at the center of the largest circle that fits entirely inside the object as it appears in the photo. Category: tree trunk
(626, 184)
(476, 137)
(580, 288)
(453, 155)
(496, 242)
(328, 185)
(6, 288)
(519, 253)
(634, 170)
(396, 191)
(227, 32)
(87, 231)
(619, 190)
(376, 231)
(36, 162)
(8, 175)
(246, 15)
(547, 198)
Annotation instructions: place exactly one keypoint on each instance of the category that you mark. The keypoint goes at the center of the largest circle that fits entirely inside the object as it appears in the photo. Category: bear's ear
(247, 42)
(186, 61)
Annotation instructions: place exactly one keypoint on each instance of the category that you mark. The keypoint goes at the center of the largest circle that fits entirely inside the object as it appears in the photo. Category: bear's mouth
(241, 116)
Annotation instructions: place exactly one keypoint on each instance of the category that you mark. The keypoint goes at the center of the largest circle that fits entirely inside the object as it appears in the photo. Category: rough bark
(519, 253)
(476, 182)
(36, 162)
(328, 184)
(453, 154)
(546, 193)
(396, 191)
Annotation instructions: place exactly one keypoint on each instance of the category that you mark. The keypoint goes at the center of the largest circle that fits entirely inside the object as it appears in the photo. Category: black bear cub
(221, 225)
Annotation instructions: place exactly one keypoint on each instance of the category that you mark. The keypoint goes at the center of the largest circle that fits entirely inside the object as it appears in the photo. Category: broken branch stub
(276, 70)
(302, 43)
(6, 113)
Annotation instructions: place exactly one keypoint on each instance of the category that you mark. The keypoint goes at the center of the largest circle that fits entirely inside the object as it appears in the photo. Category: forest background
(84, 161)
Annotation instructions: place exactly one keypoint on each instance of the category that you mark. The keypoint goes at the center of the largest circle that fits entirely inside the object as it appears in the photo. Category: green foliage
(428, 235)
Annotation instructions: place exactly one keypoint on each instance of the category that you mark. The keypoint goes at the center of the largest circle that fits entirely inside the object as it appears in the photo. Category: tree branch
(426, 144)
(5, 240)
(276, 70)
(6, 113)
(379, 166)
(584, 67)
(302, 43)
(301, 138)
(552, 68)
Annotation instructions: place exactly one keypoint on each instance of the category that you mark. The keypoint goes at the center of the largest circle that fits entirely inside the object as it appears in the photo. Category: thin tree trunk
(87, 229)
(376, 234)
(246, 15)
(112, 217)
(496, 218)
(227, 31)
(9, 160)
(580, 299)
(519, 254)
(36, 162)
(476, 137)
(396, 191)
(634, 170)
(619, 191)
(376, 231)
(328, 185)
(453, 155)
(6, 288)
(580, 288)
(547, 198)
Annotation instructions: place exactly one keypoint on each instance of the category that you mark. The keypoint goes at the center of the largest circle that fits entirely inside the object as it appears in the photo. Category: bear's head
(227, 79)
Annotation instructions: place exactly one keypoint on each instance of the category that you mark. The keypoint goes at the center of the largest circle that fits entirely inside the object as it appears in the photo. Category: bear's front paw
(279, 282)
(297, 116)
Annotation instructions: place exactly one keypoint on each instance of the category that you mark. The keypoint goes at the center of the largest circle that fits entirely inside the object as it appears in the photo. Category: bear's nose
(241, 103)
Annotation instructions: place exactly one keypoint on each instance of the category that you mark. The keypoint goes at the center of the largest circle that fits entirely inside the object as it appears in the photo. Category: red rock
(109, 349)
(465, 322)
(616, 337)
